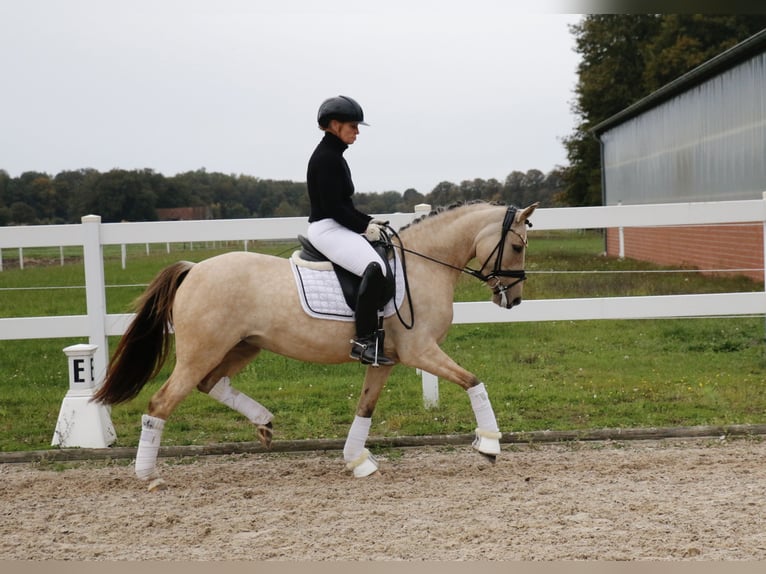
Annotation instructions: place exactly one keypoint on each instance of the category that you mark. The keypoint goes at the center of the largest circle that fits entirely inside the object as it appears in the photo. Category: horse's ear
(527, 212)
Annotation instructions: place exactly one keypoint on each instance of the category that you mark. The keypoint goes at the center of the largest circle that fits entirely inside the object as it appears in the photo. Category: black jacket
(330, 188)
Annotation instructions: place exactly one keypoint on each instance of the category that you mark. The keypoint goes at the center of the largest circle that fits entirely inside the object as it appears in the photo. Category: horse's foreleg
(437, 362)
(358, 458)
(487, 436)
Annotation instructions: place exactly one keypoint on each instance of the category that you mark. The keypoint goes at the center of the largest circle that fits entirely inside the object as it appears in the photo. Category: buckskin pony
(225, 310)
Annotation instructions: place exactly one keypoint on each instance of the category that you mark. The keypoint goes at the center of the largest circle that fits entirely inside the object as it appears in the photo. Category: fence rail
(97, 325)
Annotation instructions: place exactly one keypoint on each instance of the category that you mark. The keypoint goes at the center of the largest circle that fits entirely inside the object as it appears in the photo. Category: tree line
(35, 198)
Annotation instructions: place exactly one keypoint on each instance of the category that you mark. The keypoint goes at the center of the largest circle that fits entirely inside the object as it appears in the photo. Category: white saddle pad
(320, 293)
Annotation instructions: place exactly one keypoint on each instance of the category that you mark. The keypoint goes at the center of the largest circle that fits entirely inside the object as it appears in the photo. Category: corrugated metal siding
(706, 144)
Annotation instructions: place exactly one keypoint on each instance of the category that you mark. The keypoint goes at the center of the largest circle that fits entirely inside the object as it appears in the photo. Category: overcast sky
(453, 89)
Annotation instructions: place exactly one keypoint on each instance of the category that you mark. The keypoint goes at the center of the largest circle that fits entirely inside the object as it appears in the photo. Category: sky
(453, 90)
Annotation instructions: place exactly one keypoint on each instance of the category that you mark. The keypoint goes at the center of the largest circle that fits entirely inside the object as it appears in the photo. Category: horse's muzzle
(501, 299)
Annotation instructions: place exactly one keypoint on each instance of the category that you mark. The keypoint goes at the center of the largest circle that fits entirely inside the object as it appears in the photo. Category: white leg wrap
(224, 393)
(482, 408)
(488, 434)
(357, 436)
(149, 447)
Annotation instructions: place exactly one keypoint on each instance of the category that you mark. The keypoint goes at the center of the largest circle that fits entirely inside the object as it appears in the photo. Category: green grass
(559, 375)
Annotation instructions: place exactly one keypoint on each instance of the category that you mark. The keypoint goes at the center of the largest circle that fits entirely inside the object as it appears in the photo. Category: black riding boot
(367, 346)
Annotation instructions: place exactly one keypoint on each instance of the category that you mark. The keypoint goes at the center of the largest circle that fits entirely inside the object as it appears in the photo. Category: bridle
(492, 279)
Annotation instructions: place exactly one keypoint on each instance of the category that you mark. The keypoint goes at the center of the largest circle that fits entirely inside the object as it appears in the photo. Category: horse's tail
(145, 346)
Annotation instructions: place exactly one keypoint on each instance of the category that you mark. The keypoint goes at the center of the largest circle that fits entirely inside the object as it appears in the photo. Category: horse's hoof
(491, 458)
(365, 465)
(487, 443)
(265, 434)
(367, 468)
(157, 484)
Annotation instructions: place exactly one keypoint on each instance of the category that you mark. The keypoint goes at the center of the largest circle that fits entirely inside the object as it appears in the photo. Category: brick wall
(699, 246)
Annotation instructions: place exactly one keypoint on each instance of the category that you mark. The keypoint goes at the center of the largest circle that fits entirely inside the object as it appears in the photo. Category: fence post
(621, 236)
(95, 293)
(430, 382)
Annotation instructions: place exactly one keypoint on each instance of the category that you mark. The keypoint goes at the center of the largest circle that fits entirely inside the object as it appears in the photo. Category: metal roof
(726, 60)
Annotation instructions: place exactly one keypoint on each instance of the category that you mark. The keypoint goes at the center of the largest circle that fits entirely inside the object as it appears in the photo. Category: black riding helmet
(341, 108)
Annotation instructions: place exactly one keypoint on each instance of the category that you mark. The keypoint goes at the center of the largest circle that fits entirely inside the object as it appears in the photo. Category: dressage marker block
(82, 423)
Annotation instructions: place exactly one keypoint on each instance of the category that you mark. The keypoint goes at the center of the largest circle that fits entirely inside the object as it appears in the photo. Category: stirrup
(365, 350)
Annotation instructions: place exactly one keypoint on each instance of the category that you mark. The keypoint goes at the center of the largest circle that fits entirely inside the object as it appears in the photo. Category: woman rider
(339, 230)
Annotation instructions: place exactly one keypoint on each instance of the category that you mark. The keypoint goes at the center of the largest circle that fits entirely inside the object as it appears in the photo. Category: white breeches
(348, 249)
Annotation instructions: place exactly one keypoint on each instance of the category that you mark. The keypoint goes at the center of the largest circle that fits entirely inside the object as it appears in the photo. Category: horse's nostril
(516, 301)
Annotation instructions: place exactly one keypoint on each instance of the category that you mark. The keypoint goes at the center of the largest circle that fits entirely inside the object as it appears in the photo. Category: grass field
(559, 375)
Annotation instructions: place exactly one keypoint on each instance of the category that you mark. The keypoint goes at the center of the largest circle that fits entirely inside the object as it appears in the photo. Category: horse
(225, 310)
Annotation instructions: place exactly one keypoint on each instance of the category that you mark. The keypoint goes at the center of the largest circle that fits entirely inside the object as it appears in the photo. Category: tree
(513, 188)
(22, 213)
(286, 209)
(120, 195)
(72, 189)
(44, 197)
(684, 41)
(609, 79)
(411, 198)
(444, 193)
(5, 181)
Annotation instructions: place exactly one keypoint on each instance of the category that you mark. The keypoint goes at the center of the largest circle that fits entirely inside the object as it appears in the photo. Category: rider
(340, 231)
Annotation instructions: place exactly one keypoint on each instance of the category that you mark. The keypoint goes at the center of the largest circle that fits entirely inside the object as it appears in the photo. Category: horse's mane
(444, 208)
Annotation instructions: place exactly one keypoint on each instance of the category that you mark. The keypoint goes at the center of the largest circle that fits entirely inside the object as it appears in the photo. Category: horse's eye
(518, 248)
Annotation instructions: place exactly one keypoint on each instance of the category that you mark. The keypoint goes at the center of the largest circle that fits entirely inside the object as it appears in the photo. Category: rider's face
(346, 131)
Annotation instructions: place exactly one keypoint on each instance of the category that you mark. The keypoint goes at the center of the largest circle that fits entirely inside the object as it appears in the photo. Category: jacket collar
(334, 142)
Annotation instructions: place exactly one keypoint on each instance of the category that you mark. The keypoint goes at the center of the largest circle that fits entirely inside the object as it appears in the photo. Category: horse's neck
(451, 236)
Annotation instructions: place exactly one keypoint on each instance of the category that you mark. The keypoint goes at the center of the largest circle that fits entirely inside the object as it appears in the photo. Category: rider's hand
(374, 231)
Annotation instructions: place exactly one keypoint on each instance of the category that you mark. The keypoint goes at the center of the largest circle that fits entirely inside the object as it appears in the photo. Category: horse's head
(503, 251)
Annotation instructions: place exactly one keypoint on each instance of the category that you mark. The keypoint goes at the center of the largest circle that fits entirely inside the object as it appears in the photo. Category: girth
(349, 282)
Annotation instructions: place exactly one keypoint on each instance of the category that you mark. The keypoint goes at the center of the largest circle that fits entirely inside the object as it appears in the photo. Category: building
(701, 137)
(184, 213)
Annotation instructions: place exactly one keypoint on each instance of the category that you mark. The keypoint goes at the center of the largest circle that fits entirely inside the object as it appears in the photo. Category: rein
(494, 275)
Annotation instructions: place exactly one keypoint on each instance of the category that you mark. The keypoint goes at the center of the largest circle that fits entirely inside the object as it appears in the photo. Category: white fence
(97, 325)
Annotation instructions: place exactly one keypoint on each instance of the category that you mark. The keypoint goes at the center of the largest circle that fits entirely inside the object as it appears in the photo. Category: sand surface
(664, 500)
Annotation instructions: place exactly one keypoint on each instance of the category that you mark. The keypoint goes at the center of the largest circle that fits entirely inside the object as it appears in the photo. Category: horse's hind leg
(161, 405)
(218, 385)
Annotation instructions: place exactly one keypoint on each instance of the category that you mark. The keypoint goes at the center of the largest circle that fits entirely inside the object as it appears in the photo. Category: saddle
(349, 282)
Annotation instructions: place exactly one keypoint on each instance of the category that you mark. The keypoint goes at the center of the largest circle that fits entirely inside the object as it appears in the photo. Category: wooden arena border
(294, 446)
